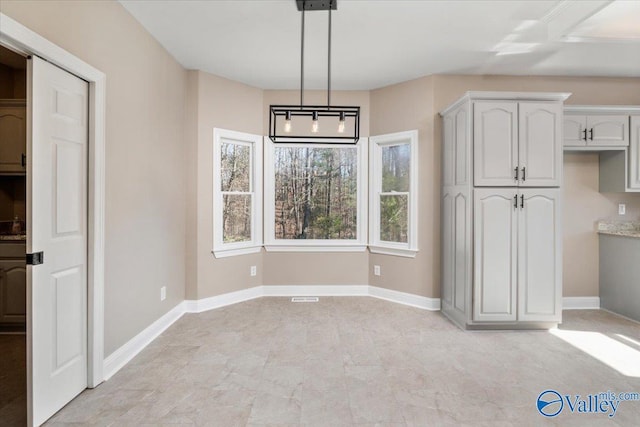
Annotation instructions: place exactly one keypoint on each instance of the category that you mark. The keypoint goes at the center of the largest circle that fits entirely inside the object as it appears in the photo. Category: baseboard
(205, 304)
(315, 291)
(116, 360)
(580, 303)
(425, 303)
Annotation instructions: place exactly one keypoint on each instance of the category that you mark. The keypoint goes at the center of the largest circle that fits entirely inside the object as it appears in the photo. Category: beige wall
(145, 155)
(401, 107)
(583, 204)
(229, 105)
(317, 268)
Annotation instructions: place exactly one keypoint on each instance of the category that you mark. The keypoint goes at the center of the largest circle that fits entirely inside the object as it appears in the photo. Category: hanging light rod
(338, 119)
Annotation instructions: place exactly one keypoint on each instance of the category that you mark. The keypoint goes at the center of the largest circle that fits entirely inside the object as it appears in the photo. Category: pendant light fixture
(340, 124)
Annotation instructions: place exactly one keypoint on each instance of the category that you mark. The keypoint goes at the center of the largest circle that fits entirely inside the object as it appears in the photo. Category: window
(393, 199)
(315, 196)
(237, 202)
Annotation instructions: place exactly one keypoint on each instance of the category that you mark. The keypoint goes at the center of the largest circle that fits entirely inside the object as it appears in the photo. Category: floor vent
(305, 299)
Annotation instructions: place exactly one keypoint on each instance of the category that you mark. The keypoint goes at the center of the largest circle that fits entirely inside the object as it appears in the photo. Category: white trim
(316, 245)
(206, 304)
(580, 303)
(316, 248)
(254, 142)
(24, 40)
(135, 345)
(233, 252)
(315, 290)
(388, 250)
(418, 301)
(119, 358)
(376, 245)
(601, 109)
(515, 96)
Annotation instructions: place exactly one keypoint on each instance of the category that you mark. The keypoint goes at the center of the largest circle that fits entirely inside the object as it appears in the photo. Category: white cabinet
(13, 139)
(495, 139)
(517, 144)
(518, 260)
(13, 291)
(539, 256)
(604, 131)
(495, 245)
(634, 154)
(501, 230)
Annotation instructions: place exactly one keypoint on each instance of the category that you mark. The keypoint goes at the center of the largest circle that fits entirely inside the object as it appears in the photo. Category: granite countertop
(620, 228)
(13, 238)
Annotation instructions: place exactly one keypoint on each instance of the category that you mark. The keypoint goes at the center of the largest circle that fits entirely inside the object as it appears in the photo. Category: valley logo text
(551, 403)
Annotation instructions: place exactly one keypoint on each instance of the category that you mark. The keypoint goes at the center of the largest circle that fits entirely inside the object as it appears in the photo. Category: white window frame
(315, 245)
(376, 245)
(221, 249)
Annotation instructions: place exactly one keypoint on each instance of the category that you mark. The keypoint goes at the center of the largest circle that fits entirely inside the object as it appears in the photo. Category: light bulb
(314, 124)
(341, 123)
(287, 122)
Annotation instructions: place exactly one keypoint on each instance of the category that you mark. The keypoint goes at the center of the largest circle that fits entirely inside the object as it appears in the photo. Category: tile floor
(356, 361)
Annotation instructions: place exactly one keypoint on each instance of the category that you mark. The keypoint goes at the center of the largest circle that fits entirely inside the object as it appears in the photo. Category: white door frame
(22, 39)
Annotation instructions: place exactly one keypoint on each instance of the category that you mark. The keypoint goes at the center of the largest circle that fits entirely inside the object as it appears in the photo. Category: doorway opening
(13, 290)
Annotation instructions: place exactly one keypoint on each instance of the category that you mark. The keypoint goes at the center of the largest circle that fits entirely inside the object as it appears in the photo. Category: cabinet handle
(585, 134)
(24, 160)
(591, 134)
(516, 171)
(515, 201)
(521, 201)
(524, 173)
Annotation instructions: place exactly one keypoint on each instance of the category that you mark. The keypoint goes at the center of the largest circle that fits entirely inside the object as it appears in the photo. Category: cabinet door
(495, 225)
(574, 131)
(13, 291)
(495, 143)
(540, 144)
(13, 128)
(539, 255)
(605, 131)
(634, 154)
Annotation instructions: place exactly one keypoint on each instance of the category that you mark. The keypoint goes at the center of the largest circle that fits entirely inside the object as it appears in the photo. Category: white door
(57, 224)
(634, 154)
(495, 143)
(606, 130)
(540, 144)
(495, 233)
(575, 134)
(539, 255)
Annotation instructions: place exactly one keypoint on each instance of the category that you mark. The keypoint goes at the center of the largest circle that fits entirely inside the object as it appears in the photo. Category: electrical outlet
(163, 293)
(254, 270)
(622, 209)
(376, 270)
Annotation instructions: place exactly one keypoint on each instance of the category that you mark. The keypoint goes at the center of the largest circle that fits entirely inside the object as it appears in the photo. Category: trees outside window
(393, 197)
(237, 208)
(315, 195)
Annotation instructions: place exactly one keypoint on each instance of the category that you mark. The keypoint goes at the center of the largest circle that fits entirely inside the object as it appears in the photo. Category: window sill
(385, 250)
(224, 253)
(315, 248)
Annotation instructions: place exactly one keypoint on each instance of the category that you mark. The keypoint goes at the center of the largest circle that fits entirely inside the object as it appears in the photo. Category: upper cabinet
(517, 143)
(634, 154)
(595, 131)
(13, 136)
(612, 131)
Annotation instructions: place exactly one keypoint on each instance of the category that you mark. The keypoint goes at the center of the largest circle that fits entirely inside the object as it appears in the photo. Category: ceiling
(381, 42)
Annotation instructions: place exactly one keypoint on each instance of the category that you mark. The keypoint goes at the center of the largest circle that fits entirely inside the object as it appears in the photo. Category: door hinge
(35, 258)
